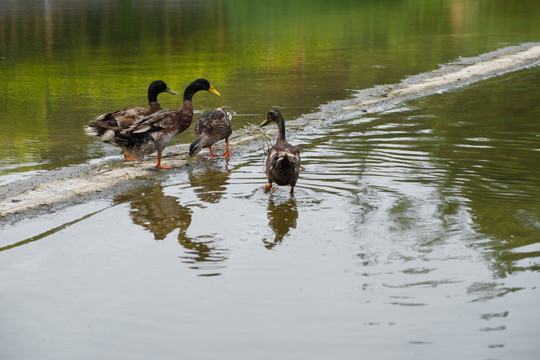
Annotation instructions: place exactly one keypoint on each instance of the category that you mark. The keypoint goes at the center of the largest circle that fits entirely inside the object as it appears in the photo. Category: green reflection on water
(484, 149)
(64, 62)
(492, 156)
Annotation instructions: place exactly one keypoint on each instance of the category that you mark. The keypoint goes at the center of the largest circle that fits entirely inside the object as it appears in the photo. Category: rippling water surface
(413, 233)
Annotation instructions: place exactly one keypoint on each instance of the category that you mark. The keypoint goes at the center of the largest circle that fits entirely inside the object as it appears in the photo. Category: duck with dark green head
(106, 125)
(153, 133)
(283, 160)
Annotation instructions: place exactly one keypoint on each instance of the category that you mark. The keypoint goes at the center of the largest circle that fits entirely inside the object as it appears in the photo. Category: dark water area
(413, 233)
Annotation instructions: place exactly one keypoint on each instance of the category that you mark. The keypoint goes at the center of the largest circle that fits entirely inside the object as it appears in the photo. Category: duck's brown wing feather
(117, 120)
(283, 164)
(155, 122)
(216, 121)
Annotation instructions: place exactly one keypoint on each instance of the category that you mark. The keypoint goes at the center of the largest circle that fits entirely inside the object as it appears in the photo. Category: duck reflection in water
(209, 181)
(161, 214)
(202, 253)
(282, 216)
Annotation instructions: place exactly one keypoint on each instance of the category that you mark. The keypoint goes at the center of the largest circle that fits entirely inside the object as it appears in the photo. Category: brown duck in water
(105, 125)
(209, 129)
(283, 161)
(153, 133)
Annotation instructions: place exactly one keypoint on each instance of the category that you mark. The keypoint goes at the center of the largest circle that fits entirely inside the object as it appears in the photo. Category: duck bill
(171, 91)
(214, 91)
(265, 122)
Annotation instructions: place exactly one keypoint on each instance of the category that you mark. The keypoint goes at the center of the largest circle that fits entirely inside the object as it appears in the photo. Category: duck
(209, 129)
(105, 125)
(283, 160)
(153, 132)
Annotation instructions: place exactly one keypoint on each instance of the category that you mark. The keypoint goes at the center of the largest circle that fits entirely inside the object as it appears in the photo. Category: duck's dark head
(198, 85)
(156, 88)
(195, 148)
(273, 115)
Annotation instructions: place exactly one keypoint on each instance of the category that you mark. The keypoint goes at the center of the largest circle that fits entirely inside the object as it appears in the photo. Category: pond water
(413, 232)
(63, 62)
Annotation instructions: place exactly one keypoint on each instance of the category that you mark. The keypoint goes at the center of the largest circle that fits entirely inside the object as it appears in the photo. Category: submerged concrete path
(462, 72)
(47, 192)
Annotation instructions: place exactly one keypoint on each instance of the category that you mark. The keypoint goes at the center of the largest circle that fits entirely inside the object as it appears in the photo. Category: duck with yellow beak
(153, 133)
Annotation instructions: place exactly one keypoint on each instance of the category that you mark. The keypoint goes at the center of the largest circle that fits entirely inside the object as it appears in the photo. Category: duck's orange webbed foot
(212, 155)
(128, 158)
(227, 154)
(159, 166)
(267, 186)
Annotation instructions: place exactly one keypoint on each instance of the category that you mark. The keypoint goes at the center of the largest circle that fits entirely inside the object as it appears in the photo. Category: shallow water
(413, 233)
